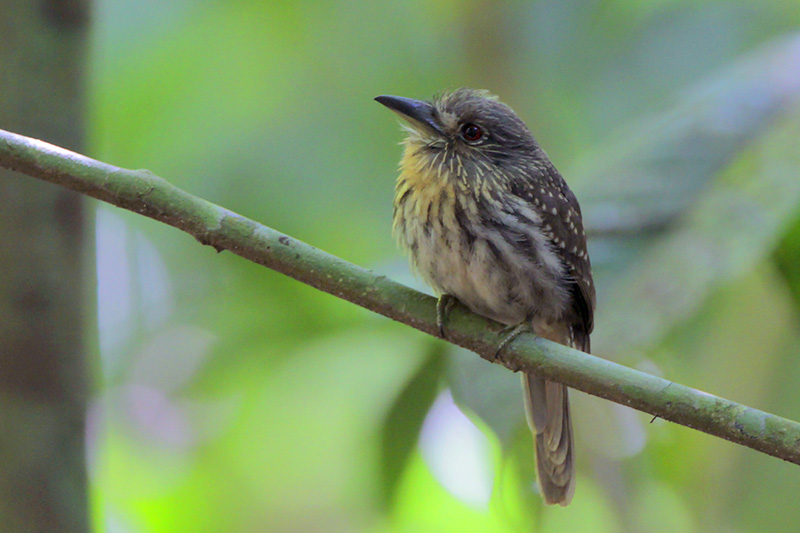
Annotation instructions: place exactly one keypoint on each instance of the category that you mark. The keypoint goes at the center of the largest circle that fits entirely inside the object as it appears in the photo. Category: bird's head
(464, 135)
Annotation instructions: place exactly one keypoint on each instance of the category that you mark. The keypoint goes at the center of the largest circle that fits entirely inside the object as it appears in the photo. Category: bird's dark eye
(471, 132)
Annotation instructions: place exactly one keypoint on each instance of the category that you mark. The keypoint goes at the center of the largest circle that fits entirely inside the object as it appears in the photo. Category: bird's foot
(443, 306)
(511, 333)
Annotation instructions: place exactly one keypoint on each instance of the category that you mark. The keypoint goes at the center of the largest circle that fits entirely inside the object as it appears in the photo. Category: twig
(142, 192)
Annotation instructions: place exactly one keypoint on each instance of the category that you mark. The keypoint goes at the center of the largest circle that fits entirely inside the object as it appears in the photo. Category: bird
(487, 220)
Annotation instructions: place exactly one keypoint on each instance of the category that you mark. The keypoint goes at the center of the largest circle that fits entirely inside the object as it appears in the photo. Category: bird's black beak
(415, 111)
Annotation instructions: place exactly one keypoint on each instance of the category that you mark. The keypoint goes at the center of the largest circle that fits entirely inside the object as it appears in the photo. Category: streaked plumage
(486, 218)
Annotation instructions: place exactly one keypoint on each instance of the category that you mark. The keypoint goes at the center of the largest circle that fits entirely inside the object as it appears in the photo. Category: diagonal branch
(142, 192)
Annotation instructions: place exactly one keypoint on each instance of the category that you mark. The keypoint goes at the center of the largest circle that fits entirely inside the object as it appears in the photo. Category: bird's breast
(492, 256)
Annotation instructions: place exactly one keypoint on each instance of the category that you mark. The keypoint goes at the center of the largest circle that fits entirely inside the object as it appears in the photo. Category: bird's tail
(547, 407)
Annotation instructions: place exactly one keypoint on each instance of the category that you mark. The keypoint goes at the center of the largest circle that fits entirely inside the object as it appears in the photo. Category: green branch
(142, 192)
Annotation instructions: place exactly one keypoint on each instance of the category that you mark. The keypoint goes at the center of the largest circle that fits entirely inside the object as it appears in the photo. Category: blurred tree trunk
(43, 384)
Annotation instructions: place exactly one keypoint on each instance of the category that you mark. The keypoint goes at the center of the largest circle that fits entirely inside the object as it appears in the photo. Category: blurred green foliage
(230, 398)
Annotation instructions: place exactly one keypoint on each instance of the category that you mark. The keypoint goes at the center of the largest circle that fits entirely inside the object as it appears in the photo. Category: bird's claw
(512, 333)
(443, 306)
